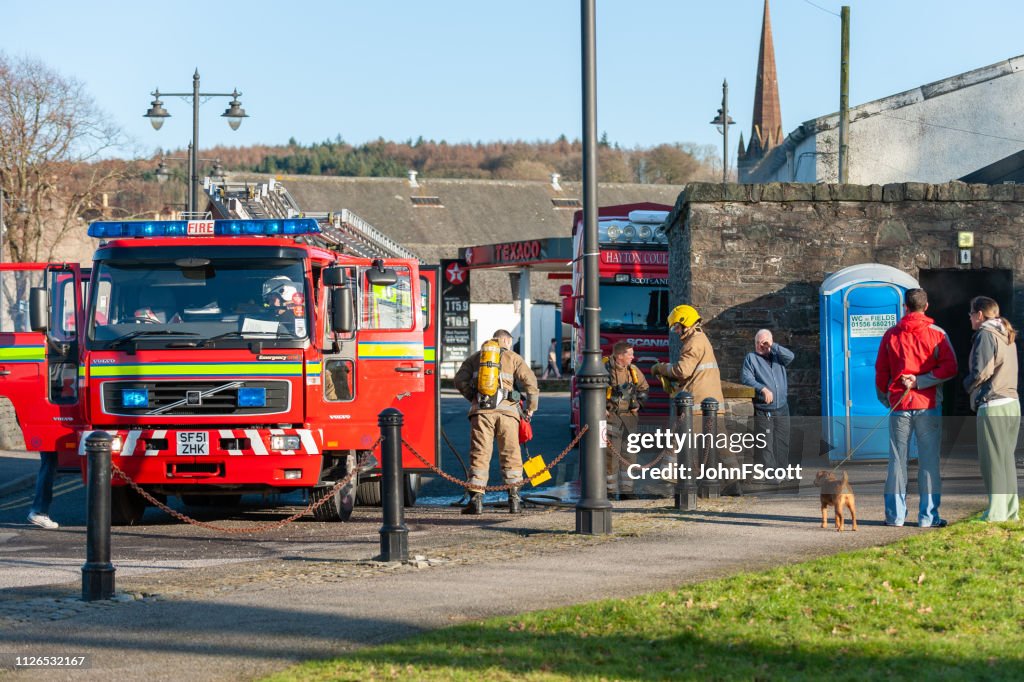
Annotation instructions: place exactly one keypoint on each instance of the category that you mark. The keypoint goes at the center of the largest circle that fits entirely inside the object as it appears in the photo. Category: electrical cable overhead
(821, 8)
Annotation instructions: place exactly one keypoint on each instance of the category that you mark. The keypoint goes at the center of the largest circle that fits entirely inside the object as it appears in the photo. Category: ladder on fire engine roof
(341, 230)
(345, 230)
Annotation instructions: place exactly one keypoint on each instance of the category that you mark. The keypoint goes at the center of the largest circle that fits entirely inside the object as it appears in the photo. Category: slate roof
(467, 213)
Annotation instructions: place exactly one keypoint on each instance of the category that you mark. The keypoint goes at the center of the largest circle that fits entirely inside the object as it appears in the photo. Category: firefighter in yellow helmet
(696, 371)
(495, 413)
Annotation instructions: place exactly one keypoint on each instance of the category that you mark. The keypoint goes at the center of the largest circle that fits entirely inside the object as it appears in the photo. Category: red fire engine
(633, 292)
(224, 357)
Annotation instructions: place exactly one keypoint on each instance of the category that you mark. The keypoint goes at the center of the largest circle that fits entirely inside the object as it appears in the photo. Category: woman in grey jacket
(992, 383)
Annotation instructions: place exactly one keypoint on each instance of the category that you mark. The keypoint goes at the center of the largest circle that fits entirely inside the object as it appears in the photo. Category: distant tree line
(58, 165)
(663, 164)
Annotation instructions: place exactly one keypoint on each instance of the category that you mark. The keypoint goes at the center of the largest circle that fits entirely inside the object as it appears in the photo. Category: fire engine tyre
(412, 489)
(368, 494)
(126, 506)
(339, 507)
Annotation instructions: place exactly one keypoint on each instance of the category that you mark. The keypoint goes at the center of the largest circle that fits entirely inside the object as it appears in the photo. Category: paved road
(29, 557)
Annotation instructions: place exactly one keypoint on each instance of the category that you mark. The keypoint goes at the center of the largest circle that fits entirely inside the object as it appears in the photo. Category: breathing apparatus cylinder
(488, 382)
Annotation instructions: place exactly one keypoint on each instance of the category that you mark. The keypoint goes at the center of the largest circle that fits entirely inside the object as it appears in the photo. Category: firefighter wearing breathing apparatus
(696, 372)
(494, 380)
(627, 393)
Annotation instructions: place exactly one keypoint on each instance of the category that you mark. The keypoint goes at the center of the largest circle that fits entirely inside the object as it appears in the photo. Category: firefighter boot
(515, 503)
(475, 504)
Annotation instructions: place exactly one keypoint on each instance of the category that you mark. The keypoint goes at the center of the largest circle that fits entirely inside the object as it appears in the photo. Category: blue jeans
(44, 483)
(927, 426)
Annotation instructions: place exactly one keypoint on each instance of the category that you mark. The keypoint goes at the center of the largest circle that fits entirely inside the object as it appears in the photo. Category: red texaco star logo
(455, 274)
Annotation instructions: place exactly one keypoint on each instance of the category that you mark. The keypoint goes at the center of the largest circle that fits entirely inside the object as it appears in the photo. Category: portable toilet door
(858, 304)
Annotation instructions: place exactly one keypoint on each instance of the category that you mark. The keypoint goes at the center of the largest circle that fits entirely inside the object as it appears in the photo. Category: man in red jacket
(914, 358)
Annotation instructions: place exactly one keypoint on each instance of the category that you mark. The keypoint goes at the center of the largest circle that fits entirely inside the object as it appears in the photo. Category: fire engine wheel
(126, 506)
(368, 494)
(339, 507)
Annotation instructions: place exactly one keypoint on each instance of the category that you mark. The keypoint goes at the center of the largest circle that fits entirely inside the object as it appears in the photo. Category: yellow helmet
(685, 315)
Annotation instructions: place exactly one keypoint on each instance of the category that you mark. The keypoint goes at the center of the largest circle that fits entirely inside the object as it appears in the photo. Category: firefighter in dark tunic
(627, 392)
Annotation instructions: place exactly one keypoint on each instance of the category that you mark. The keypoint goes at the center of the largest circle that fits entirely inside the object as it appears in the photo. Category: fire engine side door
(390, 339)
(423, 430)
(39, 369)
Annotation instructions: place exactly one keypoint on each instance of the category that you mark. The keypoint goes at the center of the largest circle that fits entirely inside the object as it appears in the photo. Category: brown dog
(836, 493)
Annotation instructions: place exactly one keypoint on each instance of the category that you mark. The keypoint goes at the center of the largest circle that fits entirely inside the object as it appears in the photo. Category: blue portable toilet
(858, 304)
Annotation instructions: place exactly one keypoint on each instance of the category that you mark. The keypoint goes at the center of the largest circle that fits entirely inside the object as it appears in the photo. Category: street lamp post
(722, 122)
(234, 114)
(163, 173)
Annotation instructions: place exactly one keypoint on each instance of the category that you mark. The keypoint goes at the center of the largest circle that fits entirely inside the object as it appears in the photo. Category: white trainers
(43, 521)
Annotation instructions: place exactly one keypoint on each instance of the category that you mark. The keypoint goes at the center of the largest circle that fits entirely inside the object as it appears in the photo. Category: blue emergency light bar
(117, 229)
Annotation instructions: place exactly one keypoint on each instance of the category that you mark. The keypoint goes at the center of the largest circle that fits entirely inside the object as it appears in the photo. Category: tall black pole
(594, 511)
(844, 95)
(725, 130)
(193, 180)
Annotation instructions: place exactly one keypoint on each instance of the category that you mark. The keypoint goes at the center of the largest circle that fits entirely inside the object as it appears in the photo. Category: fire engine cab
(224, 357)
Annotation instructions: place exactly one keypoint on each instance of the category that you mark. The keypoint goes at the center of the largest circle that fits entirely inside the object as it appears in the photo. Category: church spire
(766, 129)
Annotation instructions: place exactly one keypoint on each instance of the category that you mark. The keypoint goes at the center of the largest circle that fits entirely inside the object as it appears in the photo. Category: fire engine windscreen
(633, 308)
(207, 302)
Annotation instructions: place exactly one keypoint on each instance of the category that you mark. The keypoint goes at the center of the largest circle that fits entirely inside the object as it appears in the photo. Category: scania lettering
(633, 271)
(224, 357)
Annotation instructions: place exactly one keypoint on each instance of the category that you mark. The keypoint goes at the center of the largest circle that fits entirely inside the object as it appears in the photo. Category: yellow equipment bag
(534, 468)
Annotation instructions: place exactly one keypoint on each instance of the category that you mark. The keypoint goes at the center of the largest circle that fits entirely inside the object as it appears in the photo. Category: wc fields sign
(863, 326)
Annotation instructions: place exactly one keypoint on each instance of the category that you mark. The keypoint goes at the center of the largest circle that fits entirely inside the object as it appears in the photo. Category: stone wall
(753, 256)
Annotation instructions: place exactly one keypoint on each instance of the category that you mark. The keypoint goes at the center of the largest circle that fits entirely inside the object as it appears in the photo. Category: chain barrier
(495, 488)
(259, 528)
(644, 467)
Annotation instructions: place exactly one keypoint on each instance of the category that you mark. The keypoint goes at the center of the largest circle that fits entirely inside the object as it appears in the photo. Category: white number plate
(193, 443)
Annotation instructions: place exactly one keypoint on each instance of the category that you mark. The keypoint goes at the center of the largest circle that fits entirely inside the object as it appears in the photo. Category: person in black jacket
(764, 370)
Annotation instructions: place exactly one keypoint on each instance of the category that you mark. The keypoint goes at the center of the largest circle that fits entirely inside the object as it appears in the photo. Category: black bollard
(98, 572)
(394, 536)
(709, 409)
(686, 484)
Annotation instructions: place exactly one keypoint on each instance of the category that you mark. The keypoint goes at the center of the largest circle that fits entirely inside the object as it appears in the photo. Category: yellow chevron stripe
(13, 353)
(237, 369)
(381, 351)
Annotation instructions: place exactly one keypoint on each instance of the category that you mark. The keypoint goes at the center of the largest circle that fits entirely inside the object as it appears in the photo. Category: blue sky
(463, 70)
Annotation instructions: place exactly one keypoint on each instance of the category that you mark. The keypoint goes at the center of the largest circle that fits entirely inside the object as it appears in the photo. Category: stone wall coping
(781, 192)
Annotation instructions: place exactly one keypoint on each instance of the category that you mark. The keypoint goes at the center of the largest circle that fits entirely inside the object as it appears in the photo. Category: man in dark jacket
(915, 356)
(764, 370)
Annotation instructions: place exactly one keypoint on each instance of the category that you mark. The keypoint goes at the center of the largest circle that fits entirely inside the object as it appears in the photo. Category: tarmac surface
(242, 619)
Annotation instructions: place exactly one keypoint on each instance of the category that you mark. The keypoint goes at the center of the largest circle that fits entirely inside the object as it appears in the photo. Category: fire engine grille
(160, 394)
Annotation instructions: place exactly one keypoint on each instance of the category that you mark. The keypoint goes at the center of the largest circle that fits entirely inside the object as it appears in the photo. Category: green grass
(943, 605)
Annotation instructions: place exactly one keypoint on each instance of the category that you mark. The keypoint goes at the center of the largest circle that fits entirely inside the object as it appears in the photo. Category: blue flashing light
(110, 229)
(252, 397)
(135, 397)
